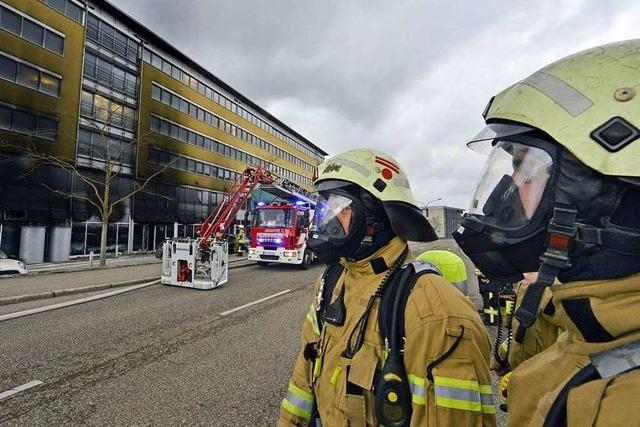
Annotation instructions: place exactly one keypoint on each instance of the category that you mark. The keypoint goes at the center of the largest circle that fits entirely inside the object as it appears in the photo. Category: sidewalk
(85, 264)
(75, 277)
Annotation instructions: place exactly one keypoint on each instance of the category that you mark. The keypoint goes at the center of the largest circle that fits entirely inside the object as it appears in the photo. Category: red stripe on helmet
(387, 163)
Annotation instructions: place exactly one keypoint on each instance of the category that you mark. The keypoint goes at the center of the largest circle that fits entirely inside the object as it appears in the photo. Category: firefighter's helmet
(382, 177)
(564, 139)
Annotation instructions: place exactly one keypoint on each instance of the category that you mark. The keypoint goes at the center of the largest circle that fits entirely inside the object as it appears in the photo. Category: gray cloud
(407, 77)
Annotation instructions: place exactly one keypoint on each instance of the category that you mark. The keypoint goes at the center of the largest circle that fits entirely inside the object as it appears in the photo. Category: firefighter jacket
(597, 316)
(542, 335)
(436, 315)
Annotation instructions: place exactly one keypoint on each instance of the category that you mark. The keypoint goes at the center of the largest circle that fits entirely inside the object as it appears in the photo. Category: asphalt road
(159, 355)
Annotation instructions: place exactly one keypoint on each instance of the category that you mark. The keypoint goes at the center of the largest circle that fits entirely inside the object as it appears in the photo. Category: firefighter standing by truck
(561, 190)
(374, 349)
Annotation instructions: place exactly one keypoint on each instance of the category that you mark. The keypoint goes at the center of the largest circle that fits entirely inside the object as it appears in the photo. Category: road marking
(29, 312)
(233, 310)
(20, 388)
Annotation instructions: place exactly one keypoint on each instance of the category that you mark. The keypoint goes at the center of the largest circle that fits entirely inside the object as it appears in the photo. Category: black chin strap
(560, 234)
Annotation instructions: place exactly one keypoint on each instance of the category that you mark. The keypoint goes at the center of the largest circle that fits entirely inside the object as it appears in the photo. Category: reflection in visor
(512, 184)
(333, 216)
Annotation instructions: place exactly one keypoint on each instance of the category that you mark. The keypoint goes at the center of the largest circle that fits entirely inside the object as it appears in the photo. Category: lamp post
(431, 201)
(424, 206)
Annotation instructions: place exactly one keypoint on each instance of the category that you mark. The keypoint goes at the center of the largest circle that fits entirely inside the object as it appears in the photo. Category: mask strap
(560, 235)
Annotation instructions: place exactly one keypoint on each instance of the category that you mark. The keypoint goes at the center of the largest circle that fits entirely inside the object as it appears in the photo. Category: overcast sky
(409, 77)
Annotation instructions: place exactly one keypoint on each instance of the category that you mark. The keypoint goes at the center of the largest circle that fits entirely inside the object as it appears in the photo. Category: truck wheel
(263, 263)
(306, 260)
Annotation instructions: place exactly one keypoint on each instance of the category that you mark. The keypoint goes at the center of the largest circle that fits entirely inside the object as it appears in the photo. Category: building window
(8, 69)
(104, 110)
(164, 127)
(53, 42)
(111, 38)
(180, 75)
(17, 71)
(29, 123)
(96, 146)
(67, 8)
(10, 21)
(185, 164)
(30, 29)
(179, 103)
(33, 32)
(49, 85)
(108, 74)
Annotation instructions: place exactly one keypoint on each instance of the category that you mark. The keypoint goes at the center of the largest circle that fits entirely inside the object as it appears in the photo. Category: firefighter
(241, 243)
(451, 265)
(365, 215)
(560, 194)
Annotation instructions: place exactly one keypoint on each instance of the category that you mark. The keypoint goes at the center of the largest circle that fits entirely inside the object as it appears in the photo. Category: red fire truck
(279, 229)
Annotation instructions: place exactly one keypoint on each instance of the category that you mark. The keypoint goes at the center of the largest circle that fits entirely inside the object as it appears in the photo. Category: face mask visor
(336, 216)
(512, 185)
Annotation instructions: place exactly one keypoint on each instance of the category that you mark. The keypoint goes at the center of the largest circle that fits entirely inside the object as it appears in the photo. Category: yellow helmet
(587, 102)
(564, 150)
(450, 265)
(383, 178)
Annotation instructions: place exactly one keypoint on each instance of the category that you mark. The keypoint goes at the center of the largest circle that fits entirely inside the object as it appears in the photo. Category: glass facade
(105, 129)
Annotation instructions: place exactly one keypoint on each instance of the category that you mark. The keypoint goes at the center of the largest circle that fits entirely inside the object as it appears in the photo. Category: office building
(85, 82)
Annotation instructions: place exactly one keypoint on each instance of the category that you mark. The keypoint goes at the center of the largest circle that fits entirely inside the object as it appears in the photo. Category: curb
(77, 269)
(84, 289)
(71, 291)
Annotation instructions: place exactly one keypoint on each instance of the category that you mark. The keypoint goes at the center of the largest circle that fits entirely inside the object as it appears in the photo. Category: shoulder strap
(398, 295)
(393, 380)
(329, 280)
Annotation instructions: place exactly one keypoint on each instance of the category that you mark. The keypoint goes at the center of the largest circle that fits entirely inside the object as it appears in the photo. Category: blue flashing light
(261, 203)
(300, 203)
(278, 241)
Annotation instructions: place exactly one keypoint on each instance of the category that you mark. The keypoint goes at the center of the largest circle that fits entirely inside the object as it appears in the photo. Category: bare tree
(99, 176)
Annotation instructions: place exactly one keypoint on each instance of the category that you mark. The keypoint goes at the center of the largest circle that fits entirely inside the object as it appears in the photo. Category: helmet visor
(512, 184)
(335, 215)
(484, 141)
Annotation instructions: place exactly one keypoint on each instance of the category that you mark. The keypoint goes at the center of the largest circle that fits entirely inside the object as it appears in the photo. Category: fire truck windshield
(273, 218)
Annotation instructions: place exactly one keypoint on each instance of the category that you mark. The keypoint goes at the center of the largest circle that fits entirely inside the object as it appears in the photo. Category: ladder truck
(279, 229)
(202, 263)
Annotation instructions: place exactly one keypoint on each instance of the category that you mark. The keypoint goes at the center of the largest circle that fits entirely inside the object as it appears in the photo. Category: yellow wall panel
(68, 66)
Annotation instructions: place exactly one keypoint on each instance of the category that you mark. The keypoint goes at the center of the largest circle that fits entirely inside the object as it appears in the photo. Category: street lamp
(424, 205)
(431, 201)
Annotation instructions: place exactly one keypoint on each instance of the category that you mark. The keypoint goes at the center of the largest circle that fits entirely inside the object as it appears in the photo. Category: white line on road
(233, 310)
(20, 388)
(73, 302)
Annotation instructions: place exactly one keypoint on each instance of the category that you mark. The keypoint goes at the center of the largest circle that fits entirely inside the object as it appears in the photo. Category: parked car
(11, 266)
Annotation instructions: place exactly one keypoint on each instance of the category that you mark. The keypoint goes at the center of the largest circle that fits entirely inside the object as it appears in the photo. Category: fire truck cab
(279, 233)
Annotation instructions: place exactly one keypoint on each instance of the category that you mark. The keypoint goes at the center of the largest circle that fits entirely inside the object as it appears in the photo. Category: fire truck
(202, 262)
(279, 229)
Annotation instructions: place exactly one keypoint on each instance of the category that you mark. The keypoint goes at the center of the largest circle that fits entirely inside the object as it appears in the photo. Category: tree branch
(143, 185)
(69, 195)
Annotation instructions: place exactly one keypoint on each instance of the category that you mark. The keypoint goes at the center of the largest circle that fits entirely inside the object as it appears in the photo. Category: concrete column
(59, 244)
(175, 229)
(32, 241)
